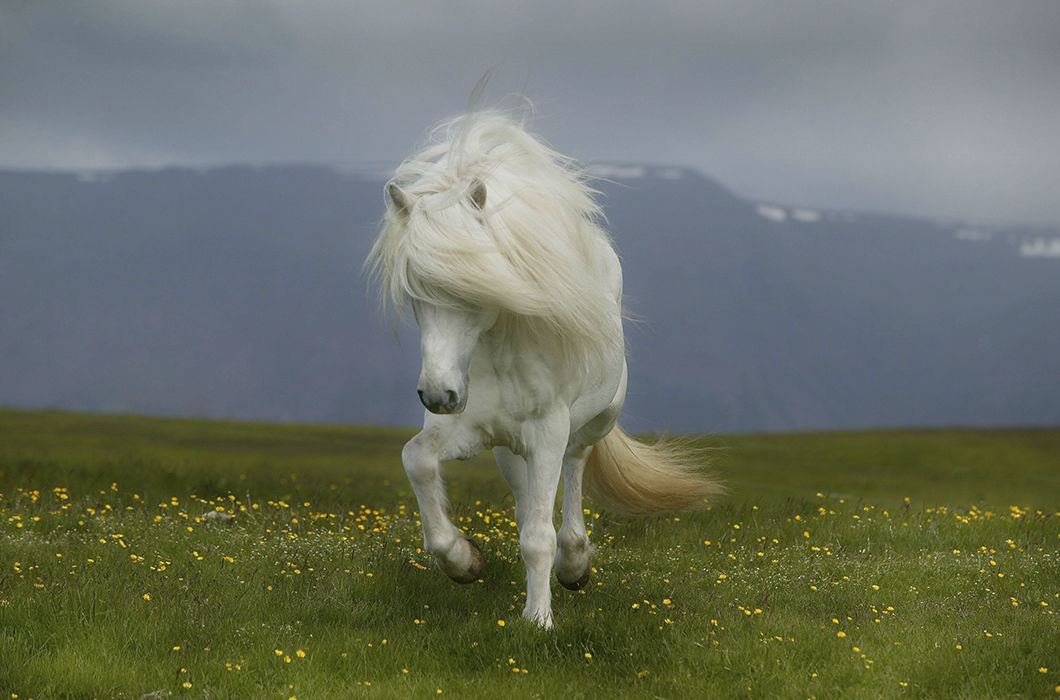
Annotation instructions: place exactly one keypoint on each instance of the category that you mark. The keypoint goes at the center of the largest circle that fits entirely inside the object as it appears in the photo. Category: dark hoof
(580, 583)
(477, 563)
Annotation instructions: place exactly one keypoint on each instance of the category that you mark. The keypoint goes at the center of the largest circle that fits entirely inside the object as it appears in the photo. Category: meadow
(854, 564)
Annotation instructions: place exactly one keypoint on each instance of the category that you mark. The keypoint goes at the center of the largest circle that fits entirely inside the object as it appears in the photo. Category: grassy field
(870, 564)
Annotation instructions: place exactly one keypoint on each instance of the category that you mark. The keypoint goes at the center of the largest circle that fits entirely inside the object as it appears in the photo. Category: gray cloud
(943, 108)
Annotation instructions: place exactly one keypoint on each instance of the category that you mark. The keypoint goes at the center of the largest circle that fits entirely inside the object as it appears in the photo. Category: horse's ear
(399, 198)
(478, 193)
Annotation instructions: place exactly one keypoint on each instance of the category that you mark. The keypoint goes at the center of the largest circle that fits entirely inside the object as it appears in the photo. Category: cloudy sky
(911, 106)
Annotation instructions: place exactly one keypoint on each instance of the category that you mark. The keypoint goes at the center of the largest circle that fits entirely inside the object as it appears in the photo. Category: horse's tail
(635, 478)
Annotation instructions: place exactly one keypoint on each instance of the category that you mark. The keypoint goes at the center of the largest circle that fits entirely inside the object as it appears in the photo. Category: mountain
(238, 292)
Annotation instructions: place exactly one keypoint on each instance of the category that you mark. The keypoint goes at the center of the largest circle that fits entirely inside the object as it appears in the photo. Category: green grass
(868, 564)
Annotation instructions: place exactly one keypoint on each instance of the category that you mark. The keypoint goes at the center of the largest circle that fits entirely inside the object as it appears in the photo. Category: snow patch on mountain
(771, 212)
(806, 216)
(1040, 248)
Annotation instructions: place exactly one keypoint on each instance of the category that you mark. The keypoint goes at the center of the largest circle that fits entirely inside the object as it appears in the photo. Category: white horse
(493, 239)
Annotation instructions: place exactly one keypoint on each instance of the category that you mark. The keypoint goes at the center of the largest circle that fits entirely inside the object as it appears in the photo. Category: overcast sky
(914, 106)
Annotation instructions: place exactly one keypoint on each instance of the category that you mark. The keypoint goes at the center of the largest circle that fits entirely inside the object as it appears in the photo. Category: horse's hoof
(474, 572)
(580, 583)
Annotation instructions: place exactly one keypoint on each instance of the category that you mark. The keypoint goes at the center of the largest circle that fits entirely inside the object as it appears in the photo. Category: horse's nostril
(447, 401)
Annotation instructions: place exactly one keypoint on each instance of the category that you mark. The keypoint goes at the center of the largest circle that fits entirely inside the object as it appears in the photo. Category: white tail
(634, 478)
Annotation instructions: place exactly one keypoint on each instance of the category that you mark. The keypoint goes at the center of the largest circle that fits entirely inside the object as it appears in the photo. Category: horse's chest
(506, 393)
(526, 386)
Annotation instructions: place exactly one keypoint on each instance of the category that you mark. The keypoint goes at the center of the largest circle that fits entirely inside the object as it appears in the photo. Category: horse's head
(447, 339)
(450, 326)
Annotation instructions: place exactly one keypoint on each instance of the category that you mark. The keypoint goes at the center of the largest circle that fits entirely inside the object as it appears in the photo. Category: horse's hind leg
(572, 553)
(573, 564)
(457, 556)
(513, 469)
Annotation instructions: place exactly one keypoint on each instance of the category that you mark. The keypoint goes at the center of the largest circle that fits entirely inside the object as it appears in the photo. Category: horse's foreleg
(456, 555)
(572, 556)
(546, 441)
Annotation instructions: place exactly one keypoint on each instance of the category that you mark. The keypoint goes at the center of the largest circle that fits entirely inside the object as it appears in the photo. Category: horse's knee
(420, 462)
(537, 543)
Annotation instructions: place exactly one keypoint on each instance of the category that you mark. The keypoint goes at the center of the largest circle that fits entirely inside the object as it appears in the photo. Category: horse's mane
(535, 251)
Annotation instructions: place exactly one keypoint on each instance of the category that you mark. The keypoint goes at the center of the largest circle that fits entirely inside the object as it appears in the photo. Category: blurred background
(831, 215)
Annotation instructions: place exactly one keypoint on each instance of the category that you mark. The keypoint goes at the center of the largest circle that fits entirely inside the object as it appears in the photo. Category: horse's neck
(514, 348)
(530, 372)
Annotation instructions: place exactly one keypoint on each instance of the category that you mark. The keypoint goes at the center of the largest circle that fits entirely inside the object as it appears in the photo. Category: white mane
(534, 251)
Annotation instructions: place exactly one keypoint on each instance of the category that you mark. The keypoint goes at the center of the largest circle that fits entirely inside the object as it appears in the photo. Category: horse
(495, 242)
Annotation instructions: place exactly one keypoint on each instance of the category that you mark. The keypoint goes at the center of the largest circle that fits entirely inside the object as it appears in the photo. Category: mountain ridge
(237, 292)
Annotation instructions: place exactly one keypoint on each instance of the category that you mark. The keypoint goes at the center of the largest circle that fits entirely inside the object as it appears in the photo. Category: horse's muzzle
(441, 402)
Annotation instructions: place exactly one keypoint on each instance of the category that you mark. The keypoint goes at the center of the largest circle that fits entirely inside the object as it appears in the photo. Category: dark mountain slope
(238, 292)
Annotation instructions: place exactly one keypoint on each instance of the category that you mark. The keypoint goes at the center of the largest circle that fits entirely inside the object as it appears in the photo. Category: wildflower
(500, 623)
(147, 596)
(840, 634)
(300, 654)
